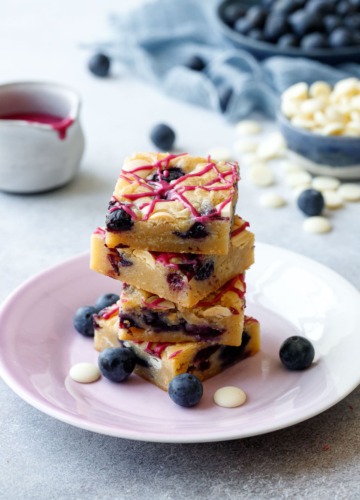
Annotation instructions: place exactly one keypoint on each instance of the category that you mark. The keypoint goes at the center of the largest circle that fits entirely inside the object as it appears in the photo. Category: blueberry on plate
(195, 63)
(163, 136)
(118, 220)
(311, 202)
(185, 390)
(117, 364)
(314, 41)
(99, 65)
(83, 320)
(106, 300)
(296, 353)
(341, 37)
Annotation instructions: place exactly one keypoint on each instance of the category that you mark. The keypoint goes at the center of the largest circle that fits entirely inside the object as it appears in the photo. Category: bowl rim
(271, 47)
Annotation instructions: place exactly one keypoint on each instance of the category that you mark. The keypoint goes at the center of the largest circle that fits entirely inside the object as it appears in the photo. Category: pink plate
(288, 293)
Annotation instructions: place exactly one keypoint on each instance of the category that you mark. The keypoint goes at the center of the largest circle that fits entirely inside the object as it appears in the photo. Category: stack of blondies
(172, 238)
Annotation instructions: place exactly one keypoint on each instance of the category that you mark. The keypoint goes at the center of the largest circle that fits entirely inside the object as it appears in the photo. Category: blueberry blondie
(160, 362)
(179, 277)
(173, 203)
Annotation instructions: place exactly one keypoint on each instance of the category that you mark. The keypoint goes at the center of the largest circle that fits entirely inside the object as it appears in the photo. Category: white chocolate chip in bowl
(272, 200)
(319, 88)
(229, 397)
(261, 175)
(296, 91)
(349, 192)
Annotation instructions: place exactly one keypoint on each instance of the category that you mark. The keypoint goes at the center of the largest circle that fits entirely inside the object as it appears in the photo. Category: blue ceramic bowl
(263, 50)
(322, 155)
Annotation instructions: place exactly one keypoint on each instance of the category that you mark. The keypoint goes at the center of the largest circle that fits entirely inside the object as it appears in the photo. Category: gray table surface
(42, 458)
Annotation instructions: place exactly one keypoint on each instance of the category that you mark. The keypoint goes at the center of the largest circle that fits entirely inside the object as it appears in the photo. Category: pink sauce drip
(154, 303)
(57, 123)
(160, 189)
(156, 348)
(112, 312)
(100, 231)
(174, 354)
(228, 287)
(165, 259)
(240, 229)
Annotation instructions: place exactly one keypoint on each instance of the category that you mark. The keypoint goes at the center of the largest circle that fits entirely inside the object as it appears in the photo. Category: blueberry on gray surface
(314, 41)
(163, 136)
(185, 390)
(118, 220)
(311, 202)
(106, 300)
(83, 320)
(116, 364)
(99, 65)
(296, 353)
(195, 63)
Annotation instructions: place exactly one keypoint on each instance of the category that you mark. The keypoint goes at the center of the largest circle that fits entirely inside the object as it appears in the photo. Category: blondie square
(173, 203)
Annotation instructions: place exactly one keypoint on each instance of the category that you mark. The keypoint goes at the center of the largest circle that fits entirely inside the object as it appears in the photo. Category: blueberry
(127, 321)
(118, 220)
(123, 261)
(331, 22)
(319, 7)
(355, 3)
(204, 271)
(302, 22)
(296, 353)
(195, 63)
(171, 174)
(243, 26)
(83, 320)
(256, 34)
(314, 41)
(185, 390)
(345, 8)
(311, 202)
(356, 37)
(99, 65)
(232, 13)
(196, 231)
(225, 94)
(341, 37)
(163, 136)
(276, 25)
(284, 6)
(288, 40)
(175, 282)
(117, 364)
(352, 22)
(256, 16)
(106, 300)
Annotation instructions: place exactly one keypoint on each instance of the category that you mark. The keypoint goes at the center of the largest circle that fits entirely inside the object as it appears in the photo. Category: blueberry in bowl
(324, 30)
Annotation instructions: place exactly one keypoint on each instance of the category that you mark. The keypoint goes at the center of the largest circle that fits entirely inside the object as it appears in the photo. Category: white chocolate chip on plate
(349, 192)
(332, 200)
(317, 225)
(272, 200)
(220, 154)
(323, 183)
(297, 179)
(248, 127)
(229, 397)
(261, 175)
(85, 373)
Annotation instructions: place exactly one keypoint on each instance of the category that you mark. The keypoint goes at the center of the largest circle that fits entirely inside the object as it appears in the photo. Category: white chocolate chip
(220, 154)
(335, 128)
(261, 175)
(271, 147)
(347, 86)
(162, 216)
(296, 91)
(297, 179)
(319, 89)
(85, 373)
(249, 159)
(245, 146)
(229, 397)
(317, 225)
(349, 192)
(290, 108)
(301, 122)
(248, 127)
(323, 183)
(310, 106)
(332, 200)
(217, 311)
(290, 166)
(272, 200)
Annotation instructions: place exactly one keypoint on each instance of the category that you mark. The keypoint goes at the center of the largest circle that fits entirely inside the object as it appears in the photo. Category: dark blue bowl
(263, 50)
(333, 151)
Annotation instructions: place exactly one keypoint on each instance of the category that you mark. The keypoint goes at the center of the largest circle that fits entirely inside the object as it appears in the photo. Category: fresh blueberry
(341, 37)
(256, 34)
(225, 94)
(355, 3)
(284, 7)
(204, 271)
(99, 65)
(356, 37)
(117, 364)
(123, 261)
(243, 26)
(344, 8)
(196, 231)
(276, 25)
(331, 22)
(319, 7)
(314, 41)
(296, 353)
(171, 174)
(185, 390)
(302, 22)
(175, 282)
(232, 13)
(311, 202)
(118, 220)
(163, 136)
(288, 40)
(195, 63)
(106, 300)
(83, 320)
(352, 22)
(256, 16)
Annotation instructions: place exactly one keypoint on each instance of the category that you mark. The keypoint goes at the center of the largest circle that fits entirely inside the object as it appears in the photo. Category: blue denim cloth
(154, 40)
